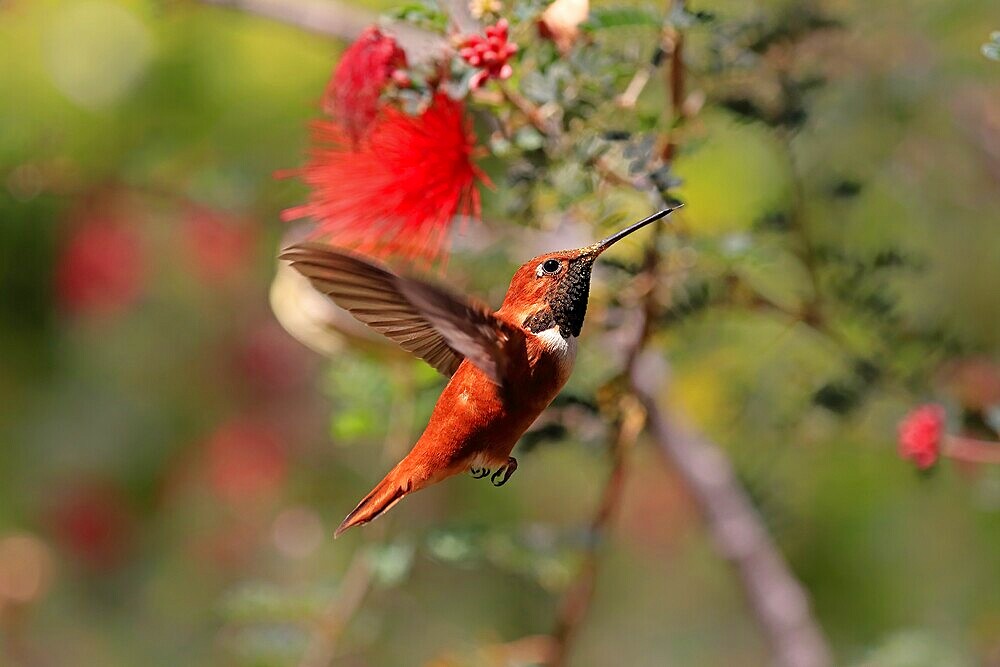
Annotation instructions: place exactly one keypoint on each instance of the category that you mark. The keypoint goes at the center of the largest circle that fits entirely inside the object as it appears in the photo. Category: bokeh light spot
(95, 52)
(25, 568)
(297, 532)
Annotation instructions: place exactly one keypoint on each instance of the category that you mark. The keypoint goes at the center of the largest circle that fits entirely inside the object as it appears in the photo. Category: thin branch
(359, 576)
(331, 18)
(532, 112)
(970, 450)
(629, 98)
(351, 593)
(676, 77)
(578, 597)
(780, 603)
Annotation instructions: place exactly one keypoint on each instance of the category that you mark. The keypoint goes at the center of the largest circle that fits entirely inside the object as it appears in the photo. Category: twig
(780, 603)
(629, 98)
(351, 593)
(576, 601)
(359, 576)
(675, 75)
(333, 19)
(970, 450)
(530, 110)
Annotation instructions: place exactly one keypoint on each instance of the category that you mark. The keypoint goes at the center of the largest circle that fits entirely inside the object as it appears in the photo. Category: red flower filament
(352, 96)
(398, 190)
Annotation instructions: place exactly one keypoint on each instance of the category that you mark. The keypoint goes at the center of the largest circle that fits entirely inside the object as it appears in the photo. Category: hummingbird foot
(479, 473)
(504, 472)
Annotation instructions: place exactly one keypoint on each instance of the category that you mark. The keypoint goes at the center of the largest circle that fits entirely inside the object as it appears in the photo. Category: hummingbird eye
(549, 266)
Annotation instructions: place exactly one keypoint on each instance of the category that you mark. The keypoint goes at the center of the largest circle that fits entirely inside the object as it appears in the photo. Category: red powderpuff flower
(920, 435)
(352, 96)
(246, 461)
(93, 524)
(269, 361)
(100, 269)
(397, 191)
(490, 53)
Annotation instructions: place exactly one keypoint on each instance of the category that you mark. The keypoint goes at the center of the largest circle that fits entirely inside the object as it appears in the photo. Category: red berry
(489, 53)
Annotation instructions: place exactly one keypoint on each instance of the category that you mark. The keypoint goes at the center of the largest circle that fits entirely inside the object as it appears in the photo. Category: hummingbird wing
(431, 322)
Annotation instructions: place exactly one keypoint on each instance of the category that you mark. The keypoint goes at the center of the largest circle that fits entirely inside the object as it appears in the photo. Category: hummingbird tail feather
(387, 493)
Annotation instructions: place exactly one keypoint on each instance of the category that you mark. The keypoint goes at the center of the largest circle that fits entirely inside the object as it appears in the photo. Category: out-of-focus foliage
(992, 48)
(173, 463)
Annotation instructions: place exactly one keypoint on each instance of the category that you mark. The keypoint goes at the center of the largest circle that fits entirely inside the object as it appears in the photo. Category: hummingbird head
(551, 290)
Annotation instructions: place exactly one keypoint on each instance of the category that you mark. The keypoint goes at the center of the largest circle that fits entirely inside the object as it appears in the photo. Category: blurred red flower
(920, 435)
(246, 461)
(352, 96)
(100, 269)
(269, 360)
(92, 523)
(400, 188)
(490, 53)
(218, 245)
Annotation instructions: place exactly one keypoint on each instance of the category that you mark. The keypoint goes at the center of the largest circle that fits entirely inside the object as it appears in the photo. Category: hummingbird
(506, 366)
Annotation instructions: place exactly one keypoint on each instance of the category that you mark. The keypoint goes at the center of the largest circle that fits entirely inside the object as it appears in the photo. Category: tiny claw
(479, 473)
(506, 471)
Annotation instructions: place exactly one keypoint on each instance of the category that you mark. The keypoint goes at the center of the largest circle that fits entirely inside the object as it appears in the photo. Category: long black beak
(601, 246)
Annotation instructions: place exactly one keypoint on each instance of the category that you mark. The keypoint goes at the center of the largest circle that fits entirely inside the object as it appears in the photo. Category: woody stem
(970, 450)
(578, 597)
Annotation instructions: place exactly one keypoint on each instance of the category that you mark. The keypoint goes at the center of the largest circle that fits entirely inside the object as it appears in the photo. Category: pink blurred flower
(100, 268)
(269, 360)
(217, 245)
(490, 53)
(352, 96)
(561, 22)
(246, 461)
(920, 435)
(399, 189)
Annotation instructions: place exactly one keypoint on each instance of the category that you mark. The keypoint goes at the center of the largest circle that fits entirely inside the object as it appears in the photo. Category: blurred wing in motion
(439, 327)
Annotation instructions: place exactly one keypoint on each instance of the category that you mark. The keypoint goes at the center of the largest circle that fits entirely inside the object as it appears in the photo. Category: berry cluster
(489, 53)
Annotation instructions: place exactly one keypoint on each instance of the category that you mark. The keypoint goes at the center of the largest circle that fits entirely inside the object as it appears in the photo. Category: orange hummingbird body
(506, 366)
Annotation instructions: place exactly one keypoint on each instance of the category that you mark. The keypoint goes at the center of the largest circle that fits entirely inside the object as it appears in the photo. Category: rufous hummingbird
(505, 366)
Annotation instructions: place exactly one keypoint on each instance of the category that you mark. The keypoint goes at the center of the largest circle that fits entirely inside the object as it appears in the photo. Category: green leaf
(422, 15)
(621, 17)
(540, 88)
(528, 139)
(391, 563)
(261, 602)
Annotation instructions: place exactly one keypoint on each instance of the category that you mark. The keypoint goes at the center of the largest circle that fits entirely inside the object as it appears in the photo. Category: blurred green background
(172, 463)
